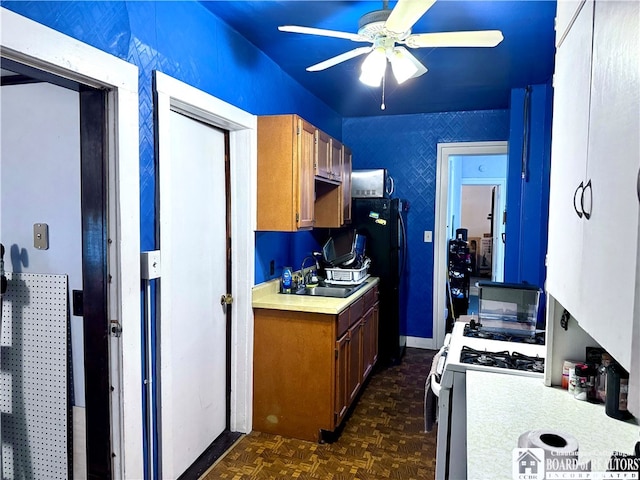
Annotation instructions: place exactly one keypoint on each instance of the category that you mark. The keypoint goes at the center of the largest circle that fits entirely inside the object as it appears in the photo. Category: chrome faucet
(306, 278)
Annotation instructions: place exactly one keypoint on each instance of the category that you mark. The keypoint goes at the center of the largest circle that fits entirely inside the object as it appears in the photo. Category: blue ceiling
(459, 79)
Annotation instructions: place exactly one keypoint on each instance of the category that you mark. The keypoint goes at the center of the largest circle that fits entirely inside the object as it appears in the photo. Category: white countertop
(265, 295)
(502, 407)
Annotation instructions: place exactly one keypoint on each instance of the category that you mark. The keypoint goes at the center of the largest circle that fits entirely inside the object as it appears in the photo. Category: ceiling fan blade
(480, 38)
(321, 31)
(339, 58)
(405, 14)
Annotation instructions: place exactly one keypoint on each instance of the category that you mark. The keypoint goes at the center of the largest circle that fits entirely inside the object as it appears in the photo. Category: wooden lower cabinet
(342, 377)
(355, 359)
(309, 367)
(369, 342)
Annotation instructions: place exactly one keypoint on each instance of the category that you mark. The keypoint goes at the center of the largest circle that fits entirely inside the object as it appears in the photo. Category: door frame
(174, 95)
(34, 45)
(440, 224)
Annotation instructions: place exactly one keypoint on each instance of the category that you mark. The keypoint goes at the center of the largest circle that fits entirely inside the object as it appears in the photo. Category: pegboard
(34, 378)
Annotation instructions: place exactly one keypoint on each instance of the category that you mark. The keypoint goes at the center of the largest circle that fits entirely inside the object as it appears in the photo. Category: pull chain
(384, 82)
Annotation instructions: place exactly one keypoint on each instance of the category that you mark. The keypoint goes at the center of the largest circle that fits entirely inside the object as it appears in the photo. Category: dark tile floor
(383, 437)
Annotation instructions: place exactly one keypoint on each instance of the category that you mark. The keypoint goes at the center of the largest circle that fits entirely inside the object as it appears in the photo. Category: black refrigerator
(383, 221)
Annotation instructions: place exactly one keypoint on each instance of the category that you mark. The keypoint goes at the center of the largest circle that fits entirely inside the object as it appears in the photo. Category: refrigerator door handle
(390, 187)
(404, 244)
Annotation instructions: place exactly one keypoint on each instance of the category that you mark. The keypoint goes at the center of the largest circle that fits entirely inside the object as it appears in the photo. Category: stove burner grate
(474, 329)
(529, 364)
(504, 359)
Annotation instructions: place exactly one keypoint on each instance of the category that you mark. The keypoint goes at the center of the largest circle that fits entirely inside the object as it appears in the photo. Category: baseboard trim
(424, 343)
(215, 451)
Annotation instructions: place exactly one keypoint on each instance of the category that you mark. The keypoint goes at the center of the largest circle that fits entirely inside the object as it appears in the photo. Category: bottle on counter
(601, 378)
(617, 391)
(287, 280)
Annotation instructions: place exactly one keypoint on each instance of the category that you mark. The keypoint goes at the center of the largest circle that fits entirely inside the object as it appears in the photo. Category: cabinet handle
(638, 185)
(587, 215)
(575, 194)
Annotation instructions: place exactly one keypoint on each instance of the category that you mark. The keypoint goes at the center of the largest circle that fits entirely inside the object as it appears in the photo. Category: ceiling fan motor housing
(372, 24)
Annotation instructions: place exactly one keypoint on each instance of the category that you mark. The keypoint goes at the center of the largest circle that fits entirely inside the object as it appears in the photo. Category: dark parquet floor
(383, 437)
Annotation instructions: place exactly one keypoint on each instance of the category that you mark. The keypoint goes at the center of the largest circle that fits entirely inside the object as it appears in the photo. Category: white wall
(40, 183)
(476, 206)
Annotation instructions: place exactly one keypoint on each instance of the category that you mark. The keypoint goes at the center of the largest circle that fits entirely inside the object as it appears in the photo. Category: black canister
(617, 390)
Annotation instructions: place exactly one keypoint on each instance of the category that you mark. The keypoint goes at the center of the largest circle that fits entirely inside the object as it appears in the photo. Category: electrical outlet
(428, 236)
(272, 267)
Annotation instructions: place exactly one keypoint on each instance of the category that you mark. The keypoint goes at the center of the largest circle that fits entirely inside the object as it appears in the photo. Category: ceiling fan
(387, 31)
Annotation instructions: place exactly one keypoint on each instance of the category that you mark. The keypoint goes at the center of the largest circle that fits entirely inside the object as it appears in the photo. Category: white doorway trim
(173, 95)
(440, 224)
(29, 43)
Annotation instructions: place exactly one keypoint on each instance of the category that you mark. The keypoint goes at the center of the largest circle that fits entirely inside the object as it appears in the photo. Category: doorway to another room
(66, 230)
(469, 235)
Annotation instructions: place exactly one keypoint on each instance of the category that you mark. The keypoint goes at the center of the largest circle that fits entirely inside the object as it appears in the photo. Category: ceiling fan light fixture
(373, 67)
(403, 67)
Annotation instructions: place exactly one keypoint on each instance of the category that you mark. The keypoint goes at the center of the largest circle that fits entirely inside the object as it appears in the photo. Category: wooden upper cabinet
(323, 163)
(304, 179)
(329, 165)
(306, 194)
(337, 155)
(346, 185)
(285, 191)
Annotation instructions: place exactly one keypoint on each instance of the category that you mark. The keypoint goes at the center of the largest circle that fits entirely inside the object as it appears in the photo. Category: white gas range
(462, 353)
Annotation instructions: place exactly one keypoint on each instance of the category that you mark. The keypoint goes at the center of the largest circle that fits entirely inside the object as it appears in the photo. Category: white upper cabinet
(611, 234)
(594, 209)
(572, 84)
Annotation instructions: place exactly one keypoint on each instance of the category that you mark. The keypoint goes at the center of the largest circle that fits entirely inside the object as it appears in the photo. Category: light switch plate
(150, 265)
(41, 236)
(428, 236)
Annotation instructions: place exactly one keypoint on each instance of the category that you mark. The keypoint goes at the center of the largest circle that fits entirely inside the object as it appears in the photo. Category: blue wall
(407, 146)
(186, 41)
(285, 249)
(528, 199)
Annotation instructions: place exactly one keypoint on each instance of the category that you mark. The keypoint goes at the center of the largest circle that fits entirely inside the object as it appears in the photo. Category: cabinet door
(306, 184)
(611, 233)
(376, 321)
(346, 185)
(355, 359)
(342, 365)
(568, 162)
(323, 156)
(367, 343)
(335, 170)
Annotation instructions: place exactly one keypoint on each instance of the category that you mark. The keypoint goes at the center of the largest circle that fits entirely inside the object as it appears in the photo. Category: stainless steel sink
(328, 291)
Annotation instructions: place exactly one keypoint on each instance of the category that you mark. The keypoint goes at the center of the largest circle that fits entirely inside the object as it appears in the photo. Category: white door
(497, 274)
(192, 323)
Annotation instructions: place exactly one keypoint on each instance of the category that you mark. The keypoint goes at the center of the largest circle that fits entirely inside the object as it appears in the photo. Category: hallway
(382, 438)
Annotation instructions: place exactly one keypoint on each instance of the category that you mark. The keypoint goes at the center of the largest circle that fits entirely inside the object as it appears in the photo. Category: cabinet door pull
(638, 185)
(575, 194)
(588, 186)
